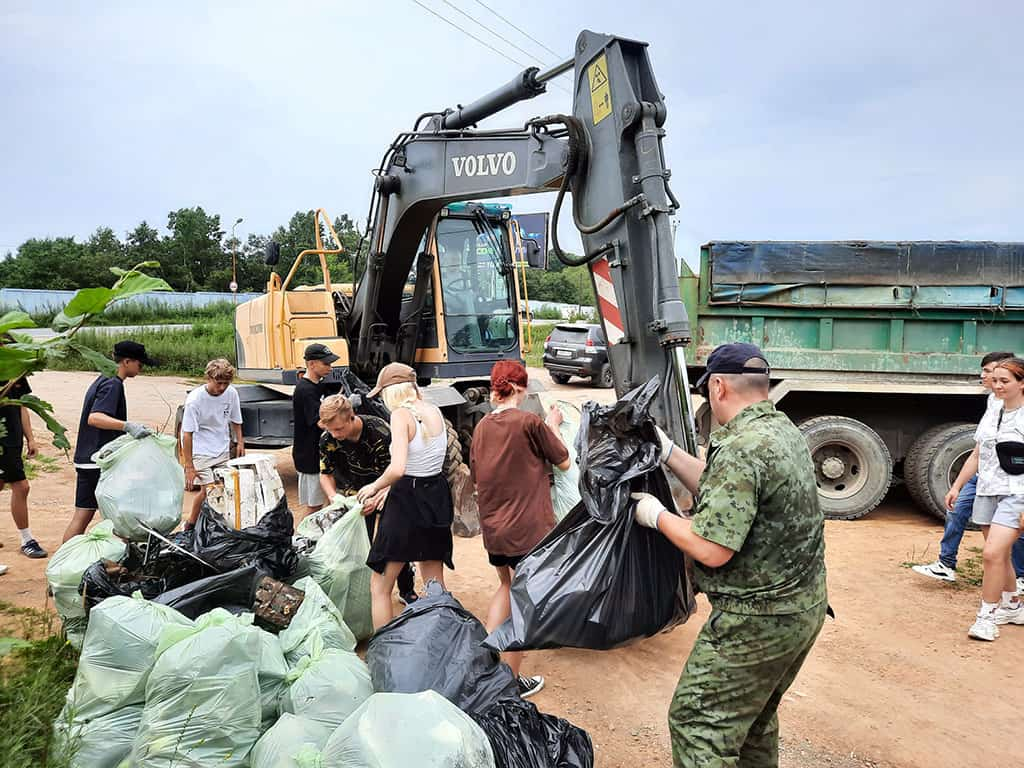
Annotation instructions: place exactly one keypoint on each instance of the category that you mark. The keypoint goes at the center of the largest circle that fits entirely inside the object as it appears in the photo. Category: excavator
(439, 291)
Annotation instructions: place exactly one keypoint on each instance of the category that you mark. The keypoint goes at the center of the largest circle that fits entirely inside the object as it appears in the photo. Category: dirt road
(894, 681)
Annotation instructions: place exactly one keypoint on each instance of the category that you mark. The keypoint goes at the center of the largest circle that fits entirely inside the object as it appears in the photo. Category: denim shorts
(998, 510)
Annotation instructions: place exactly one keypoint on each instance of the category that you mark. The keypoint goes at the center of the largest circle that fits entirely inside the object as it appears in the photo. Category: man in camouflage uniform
(758, 541)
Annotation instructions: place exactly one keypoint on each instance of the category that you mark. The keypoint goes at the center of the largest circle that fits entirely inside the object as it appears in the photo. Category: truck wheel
(604, 378)
(560, 378)
(852, 466)
(934, 461)
(467, 516)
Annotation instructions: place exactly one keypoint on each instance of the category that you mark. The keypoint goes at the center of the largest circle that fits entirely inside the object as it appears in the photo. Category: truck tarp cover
(867, 263)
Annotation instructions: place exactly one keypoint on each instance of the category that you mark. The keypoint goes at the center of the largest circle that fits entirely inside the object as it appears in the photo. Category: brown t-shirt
(509, 458)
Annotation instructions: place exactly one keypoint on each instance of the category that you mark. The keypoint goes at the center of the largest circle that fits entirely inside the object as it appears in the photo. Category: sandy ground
(894, 681)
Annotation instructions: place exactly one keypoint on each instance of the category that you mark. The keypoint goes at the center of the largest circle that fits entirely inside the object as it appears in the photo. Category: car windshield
(475, 266)
(570, 335)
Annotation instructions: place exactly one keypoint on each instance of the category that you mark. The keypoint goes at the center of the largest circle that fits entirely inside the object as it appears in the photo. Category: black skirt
(415, 524)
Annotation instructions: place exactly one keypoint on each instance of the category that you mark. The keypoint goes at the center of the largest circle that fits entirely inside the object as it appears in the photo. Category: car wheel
(604, 377)
(560, 378)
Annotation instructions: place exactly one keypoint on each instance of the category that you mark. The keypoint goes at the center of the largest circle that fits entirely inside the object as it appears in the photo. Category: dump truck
(875, 350)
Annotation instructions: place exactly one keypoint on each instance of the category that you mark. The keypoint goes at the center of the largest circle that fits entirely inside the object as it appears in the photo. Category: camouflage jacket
(759, 498)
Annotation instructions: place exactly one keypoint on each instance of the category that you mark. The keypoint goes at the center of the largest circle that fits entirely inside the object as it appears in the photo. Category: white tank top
(426, 454)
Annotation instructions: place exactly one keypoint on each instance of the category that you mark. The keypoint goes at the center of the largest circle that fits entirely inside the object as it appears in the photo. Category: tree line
(195, 254)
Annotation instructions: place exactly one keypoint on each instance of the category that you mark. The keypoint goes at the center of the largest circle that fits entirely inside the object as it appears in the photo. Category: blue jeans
(956, 522)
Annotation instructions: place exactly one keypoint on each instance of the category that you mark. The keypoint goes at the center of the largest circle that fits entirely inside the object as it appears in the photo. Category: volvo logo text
(492, 164)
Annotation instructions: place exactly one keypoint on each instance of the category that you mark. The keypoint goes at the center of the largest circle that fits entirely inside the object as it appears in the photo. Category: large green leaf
(89, 301)
(16, 362)
(45, 411)
(62, 322)
(15, 319)
(97, 360)
(134, 283)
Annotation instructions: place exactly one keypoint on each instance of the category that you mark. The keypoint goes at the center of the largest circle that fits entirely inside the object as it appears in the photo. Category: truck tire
(466, 521)
(852, 466)
(933, 462)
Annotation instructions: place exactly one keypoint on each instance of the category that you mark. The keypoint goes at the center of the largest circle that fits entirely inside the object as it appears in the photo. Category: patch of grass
(535, 358)
(41, 464)
(178, 352)
(34, 679)
(151, 313)
(969, 570)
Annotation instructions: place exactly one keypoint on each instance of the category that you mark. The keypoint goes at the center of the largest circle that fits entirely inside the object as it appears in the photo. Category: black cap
(320, 352)
(732, 358)
(133, 351)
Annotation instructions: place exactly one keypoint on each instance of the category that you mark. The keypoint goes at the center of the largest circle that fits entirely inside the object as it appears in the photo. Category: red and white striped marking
(606, 301)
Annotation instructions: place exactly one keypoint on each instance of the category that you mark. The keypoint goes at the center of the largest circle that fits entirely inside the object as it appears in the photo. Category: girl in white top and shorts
(999, 500)
(416, 519)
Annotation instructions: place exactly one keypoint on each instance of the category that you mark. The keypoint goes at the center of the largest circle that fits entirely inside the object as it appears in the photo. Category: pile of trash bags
(599, 580)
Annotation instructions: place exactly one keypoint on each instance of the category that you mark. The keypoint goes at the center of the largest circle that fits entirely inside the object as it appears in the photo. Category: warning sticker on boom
(600, 90)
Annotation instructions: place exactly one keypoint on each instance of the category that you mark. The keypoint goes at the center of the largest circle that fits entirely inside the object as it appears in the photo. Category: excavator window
(475, 281)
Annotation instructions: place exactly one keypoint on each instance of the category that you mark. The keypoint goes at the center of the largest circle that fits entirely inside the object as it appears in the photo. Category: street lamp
(234, 259)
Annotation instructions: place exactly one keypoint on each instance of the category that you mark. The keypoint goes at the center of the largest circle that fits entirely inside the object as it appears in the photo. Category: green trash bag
(119, 651)
(338, 564)
(273, 673)
(103, 742)
(141, 484)
(397, 730)
(65, 569)
(317, 617)
(565, 492)
(327, 686)
(203, 696)
(293, 742)
(314, 526)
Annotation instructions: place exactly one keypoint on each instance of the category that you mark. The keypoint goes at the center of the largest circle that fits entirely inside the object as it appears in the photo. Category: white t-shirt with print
(992, 480)
(208, 418)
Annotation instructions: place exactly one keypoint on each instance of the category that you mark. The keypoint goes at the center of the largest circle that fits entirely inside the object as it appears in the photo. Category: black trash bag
(165, 569)
(599, 580)
(523, 737)
(358, 392)
(435, 644)
(268, 543)
(234, 591)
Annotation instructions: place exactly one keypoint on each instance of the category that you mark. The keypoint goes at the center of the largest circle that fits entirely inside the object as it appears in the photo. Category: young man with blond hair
(212, 412)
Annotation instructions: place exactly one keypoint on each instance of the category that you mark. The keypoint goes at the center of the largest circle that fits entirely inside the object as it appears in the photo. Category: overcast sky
(787, 120)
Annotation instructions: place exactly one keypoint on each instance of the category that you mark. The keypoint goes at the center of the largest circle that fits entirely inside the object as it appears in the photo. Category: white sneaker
(1020, 585)
(936, 570)
(1004, 615)
(984, 628)
(3, 570)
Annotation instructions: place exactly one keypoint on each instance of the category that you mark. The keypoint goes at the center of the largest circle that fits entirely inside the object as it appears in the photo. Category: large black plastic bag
(268, 543)
(599, 580)
(435, 644)
(234, 591)
(165, 571)
(523, 737)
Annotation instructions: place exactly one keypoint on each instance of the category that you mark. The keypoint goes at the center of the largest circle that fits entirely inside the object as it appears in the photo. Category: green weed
(34, 678)
(535, 357)
(39, 465)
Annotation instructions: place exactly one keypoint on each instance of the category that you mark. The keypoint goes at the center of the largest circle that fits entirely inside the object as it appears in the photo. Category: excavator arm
(607, 154)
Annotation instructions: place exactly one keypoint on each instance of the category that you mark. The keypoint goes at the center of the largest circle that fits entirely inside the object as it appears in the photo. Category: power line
(523, 32)
(446, 20)
(477, 21)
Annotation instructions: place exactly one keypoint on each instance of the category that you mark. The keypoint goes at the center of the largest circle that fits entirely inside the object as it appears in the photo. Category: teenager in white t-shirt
(211, 412)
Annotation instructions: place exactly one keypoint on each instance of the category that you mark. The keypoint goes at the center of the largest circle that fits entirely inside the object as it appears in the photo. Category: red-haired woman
(999, 501)
(510, 461)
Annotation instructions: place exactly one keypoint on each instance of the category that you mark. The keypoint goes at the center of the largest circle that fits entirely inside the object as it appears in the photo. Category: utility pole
(234, 260)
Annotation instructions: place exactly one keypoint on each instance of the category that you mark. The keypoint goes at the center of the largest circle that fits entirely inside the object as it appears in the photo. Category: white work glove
(647, 509)
(666, 443)
(136, 430)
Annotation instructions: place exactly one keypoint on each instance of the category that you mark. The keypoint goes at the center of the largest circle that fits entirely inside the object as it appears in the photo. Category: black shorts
(512, 561)
(12, 468)
(85, 488)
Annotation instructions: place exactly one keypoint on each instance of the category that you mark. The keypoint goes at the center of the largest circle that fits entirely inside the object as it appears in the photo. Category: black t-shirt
(355, 464)
(10, 415)
(306, 413)
(105, 395)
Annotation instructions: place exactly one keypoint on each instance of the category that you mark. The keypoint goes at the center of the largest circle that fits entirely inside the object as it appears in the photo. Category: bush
(178, 352)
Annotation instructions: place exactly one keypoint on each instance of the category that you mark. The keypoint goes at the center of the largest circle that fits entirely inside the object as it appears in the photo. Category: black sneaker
(530, 685)
(32, 549)
(407, 598)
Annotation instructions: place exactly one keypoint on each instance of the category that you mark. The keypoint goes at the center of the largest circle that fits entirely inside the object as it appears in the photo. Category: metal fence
(38, 301)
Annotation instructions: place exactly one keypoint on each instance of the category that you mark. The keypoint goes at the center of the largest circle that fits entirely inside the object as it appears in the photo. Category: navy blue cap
(732, 358)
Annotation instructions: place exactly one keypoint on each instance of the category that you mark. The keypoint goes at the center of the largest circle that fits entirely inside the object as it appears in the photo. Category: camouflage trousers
(723, 711)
